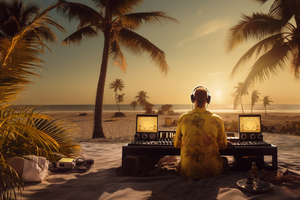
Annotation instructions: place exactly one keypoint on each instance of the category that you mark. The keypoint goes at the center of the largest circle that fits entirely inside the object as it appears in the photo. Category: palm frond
(257, 26)
(17, 59)
(128, 38)
(118, 56)
(262, 1)
(78, 11)
(260, 48)
(268, 64)
(135, 20)
(76, 37)
(63, 133)
(30, 10)
(118, 7)
(295, 60)
(284, 9)
(9, 182)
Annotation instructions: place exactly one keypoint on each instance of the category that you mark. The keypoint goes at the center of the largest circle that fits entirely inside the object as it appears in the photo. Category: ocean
(218, 108)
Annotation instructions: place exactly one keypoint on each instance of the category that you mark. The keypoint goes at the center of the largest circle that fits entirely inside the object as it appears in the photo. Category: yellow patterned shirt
(200, 134)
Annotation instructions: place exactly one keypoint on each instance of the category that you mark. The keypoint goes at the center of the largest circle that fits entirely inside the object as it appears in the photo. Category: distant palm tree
(278, 40)
(238, 95)
(266, 101)
(134, 104)
(141, 98)
(149, 107)
(116, 21)
(254, 98)
(120, 98)
(117, 85)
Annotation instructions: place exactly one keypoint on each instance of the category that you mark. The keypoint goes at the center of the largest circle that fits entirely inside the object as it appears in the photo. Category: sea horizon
(219, 108)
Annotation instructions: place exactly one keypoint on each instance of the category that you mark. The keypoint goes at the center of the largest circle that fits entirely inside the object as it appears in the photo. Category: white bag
(32, 172)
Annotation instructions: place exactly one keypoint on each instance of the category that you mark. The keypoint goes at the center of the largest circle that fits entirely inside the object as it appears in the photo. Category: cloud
(206, 29)
(215, 74)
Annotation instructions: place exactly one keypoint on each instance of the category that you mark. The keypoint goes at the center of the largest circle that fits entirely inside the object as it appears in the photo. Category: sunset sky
(195, 51)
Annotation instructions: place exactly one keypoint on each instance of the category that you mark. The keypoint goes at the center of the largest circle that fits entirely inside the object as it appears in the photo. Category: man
(200, 134)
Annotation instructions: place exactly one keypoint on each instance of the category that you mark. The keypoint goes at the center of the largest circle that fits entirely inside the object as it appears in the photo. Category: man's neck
(200, 105)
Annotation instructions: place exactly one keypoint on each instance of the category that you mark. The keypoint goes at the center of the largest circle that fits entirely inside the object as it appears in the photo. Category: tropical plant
(118, 85)
(148, 107)
(120, 98)
(141, 98)
(254, 98)
(15, 16)
(134, 104)
(278, 40)
(240, 91)
(266, 101)
(166, 109)
(20, 132)
(116, 21)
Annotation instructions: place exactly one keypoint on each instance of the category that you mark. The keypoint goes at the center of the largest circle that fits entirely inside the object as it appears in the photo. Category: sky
(195, 51)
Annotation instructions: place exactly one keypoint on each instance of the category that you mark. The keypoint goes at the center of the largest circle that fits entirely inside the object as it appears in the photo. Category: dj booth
(243, 155)
(247, 148)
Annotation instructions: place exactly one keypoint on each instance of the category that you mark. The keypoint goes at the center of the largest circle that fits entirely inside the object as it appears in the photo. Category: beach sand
(123, 129)
(102, 181)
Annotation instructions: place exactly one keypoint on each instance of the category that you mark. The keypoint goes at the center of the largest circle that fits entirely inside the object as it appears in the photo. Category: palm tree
(266, 101)
(117, 85)
(116, 21)
(278, 40)
(19, 50)
(23, 131)
(240, 91)
(254, 98)
(120, 98)
(141, 98)
(15, 16)
(134, 104)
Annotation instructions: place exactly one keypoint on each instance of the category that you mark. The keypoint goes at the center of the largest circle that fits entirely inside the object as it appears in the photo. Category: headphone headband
(193, 96)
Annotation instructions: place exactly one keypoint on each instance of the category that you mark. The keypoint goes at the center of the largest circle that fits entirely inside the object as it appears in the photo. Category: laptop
(146, 127)
(250, 128)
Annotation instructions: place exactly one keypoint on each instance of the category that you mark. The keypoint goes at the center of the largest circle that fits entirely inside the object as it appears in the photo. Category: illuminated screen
(147, 124)
(69, 160)
(250, 124)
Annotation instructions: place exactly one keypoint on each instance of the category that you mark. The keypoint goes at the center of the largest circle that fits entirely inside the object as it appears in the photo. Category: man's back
(200, 134)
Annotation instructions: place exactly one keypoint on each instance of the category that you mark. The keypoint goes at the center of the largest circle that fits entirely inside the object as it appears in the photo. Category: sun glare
(218, 93)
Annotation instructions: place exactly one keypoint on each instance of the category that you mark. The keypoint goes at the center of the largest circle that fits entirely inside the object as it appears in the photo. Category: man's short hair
(201, 95)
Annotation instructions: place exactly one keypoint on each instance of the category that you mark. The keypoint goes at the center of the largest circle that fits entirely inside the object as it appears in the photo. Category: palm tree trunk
(98, 130)
(117, 102)
(265, 110)
(242, 105)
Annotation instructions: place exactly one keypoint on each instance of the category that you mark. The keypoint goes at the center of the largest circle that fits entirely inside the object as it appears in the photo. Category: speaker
(251, 137)
(193, 95)
(146, 136)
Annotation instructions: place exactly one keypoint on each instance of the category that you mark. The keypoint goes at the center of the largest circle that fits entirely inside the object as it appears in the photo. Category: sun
(218, 93)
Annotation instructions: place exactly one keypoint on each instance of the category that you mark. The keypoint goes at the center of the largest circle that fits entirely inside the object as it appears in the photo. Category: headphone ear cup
(192, 98)
(208, 99)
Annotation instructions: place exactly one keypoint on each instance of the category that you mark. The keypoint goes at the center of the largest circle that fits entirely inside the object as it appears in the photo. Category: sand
(102, 181)
(123, 130)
